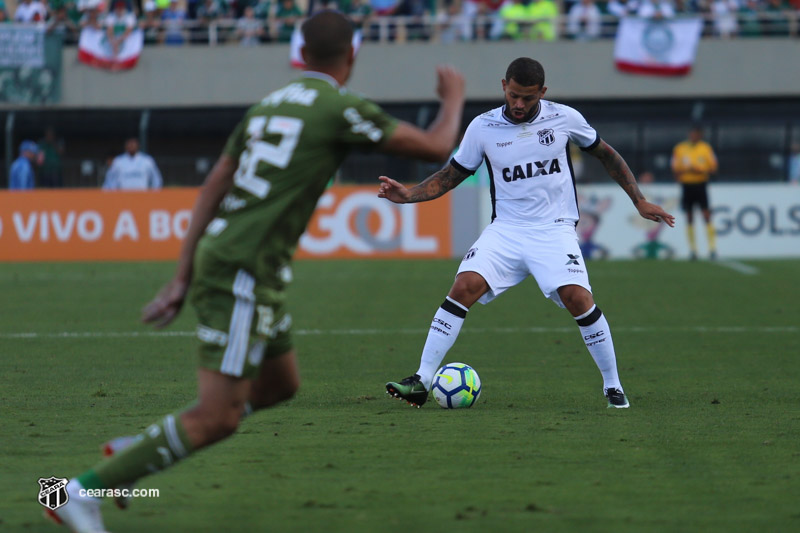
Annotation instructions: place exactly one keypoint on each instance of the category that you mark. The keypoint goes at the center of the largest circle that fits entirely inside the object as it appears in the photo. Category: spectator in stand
(545, 14)
(724, 16)
(656, 9)
(60, 22)
(481, 19)
(380, 9)
(683, 7)
(209, 12)
(315, 6)
(30, 12)
(622, 8)
(517, 19)
(359, 11)
(286, 16)
(119, 24)
(133, 170)
(384, 8)
(794, 164)
(173, 19)
(149, 22)
(264, 9)
(583, 21)
(776, 18)
(91, 17)
(51, 149)
(249, 29)
(3, 14)
(418, 13)
(191, 9)
(21, 174)
(750, 19)
(449, 23)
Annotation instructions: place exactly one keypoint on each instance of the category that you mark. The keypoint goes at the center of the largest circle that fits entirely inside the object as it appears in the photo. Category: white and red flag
(95, 50)
(665, 47)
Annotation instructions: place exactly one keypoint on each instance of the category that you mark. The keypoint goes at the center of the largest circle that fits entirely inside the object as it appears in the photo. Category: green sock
(160, 446)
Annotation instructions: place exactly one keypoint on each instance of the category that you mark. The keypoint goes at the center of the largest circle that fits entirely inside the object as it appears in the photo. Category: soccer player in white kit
(525, 144)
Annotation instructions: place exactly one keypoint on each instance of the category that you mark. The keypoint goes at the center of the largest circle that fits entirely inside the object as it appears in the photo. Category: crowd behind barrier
(255, 22)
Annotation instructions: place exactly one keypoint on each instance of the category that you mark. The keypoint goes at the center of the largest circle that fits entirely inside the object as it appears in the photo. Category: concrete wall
(230, 75)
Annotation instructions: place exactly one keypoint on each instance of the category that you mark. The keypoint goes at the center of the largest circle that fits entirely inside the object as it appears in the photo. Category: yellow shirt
(546, 12)
(537, 20)
(692, 163)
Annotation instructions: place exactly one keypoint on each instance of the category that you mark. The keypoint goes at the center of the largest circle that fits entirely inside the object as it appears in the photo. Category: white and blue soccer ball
(456, 385)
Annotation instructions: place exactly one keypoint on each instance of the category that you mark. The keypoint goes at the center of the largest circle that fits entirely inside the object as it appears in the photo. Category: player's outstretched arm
(433, 187)
(620, 172)
(435, 142)
(168, 302)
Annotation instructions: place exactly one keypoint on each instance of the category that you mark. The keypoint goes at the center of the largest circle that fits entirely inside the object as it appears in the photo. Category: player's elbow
(436, 150)
(410, 141)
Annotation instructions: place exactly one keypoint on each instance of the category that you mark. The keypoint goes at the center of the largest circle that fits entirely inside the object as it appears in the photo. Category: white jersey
(133, 173)
(532, 182)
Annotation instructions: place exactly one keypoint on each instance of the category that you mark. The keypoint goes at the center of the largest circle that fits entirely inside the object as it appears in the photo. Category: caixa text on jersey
(531, 170)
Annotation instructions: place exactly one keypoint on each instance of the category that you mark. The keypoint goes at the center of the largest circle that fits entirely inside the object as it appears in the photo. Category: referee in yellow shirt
(693, 162)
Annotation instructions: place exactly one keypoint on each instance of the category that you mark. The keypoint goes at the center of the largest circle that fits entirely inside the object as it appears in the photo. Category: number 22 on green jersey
(259, 151)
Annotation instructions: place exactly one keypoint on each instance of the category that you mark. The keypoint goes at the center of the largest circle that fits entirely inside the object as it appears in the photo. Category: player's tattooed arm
(437, 184)
(618, 169)
(433, 187)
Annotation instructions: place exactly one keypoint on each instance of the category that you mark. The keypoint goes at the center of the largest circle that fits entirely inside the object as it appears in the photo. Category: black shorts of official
(694, 194)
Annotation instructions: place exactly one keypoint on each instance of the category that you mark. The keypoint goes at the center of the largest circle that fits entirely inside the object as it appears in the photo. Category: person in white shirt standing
(133, 170)
(30, 12)
(525, 144)
(583, 20)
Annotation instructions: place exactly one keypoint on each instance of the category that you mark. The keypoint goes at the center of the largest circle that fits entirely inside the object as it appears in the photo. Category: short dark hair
(526, 71)
(328, 35)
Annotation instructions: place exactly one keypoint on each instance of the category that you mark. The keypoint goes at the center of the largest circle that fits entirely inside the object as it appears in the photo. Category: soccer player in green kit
(251, 211)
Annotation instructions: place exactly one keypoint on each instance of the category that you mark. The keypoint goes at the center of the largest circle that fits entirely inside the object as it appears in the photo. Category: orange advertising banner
(352, 221)
(91, 224)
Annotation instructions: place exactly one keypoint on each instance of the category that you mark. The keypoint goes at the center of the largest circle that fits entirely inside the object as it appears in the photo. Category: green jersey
(288, 146)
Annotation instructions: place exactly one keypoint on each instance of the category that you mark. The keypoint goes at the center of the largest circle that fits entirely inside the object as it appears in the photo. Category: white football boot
(81, 514)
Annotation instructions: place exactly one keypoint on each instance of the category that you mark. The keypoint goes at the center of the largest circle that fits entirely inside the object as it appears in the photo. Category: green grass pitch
(709, 356)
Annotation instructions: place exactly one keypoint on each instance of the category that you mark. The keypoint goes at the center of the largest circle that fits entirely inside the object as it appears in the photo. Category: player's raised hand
(392, 190)
(655, 213)
(166, 305)
(450, 85)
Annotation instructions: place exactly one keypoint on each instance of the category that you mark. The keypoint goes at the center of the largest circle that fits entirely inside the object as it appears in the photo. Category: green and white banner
(30, 65)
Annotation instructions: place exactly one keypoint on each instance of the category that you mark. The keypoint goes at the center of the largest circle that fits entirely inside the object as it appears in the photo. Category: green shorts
(240, 321)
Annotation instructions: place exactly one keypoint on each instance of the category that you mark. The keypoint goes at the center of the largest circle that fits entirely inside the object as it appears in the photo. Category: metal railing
(458, 28)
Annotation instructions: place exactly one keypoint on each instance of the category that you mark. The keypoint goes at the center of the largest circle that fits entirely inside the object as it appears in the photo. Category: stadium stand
(749, 122)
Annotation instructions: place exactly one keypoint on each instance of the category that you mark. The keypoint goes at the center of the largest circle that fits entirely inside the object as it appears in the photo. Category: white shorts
(505, 255)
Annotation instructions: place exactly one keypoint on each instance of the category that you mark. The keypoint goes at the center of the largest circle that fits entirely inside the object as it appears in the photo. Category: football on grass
(456, 385)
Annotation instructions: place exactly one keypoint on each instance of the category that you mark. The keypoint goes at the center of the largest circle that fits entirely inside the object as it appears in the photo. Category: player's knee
(468, 288)
(276, 394)
(218, 422)
(576, 299)
(225, 423)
